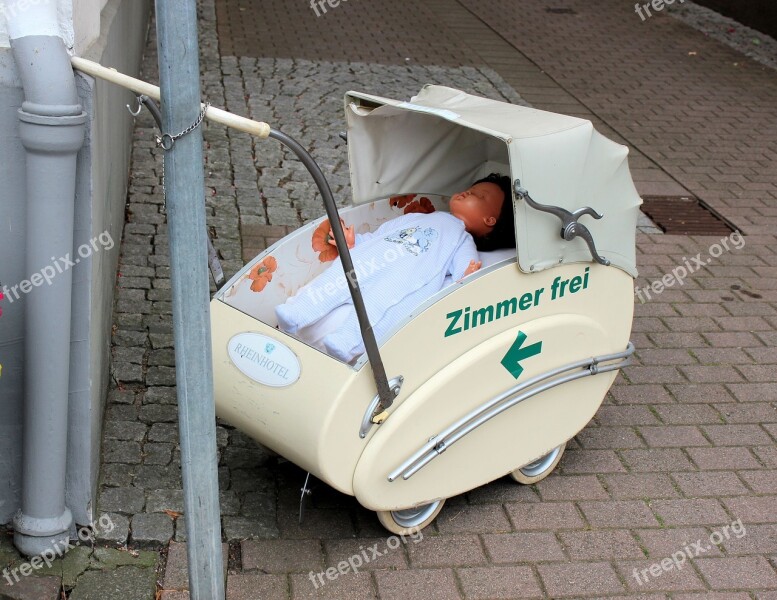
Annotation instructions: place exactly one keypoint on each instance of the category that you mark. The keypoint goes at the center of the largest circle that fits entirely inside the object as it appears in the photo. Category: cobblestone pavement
(684, 444)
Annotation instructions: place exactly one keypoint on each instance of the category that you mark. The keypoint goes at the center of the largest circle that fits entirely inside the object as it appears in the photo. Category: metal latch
(570, 228)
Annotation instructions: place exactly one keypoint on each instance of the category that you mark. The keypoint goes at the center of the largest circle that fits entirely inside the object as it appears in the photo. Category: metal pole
(179, 75)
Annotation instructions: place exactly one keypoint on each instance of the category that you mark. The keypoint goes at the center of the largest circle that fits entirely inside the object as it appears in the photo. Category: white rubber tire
(540, 468)
(411, 520)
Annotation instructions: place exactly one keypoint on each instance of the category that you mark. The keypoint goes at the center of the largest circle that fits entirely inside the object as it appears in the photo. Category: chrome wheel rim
(538, 466)
(412, 517)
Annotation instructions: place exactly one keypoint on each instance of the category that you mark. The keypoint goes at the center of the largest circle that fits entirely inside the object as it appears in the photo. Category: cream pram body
(492, 375)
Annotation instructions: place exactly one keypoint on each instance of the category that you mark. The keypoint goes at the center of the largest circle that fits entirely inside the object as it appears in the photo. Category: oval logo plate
(264, 359)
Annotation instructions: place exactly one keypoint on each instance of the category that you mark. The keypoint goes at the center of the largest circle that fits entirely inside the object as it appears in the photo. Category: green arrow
(516, 354)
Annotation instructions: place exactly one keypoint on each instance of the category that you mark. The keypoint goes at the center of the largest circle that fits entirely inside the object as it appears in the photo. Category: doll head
(487, 211)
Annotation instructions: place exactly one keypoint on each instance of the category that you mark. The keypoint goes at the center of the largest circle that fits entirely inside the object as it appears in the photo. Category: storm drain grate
(561, 11)
(684, 215)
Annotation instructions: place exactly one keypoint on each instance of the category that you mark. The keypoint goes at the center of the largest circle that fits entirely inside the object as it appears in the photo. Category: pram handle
(570, 228)
(212, 113)
(263, 130)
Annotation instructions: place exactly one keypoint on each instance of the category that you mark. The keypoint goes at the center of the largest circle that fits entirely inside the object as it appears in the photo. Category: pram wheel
(539, 469)
(410, 520)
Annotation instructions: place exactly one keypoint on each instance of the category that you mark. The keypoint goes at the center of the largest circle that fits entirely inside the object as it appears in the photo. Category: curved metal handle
(570, 228)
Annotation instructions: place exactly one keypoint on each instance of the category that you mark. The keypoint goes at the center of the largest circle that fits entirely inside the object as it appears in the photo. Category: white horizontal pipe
(217, 115)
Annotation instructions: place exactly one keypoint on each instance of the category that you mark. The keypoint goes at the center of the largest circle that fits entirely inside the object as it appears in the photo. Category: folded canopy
(444, 139)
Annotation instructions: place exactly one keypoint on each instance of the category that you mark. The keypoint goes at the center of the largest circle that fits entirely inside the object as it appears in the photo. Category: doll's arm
(465, 259)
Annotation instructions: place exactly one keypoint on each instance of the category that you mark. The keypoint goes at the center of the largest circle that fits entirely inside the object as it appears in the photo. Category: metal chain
(167, 141)
(162, 142)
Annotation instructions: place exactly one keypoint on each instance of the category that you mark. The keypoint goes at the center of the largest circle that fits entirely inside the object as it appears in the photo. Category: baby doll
(404, 262)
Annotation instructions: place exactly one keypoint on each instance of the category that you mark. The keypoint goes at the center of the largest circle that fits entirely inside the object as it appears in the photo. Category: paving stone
(761, 482)
(521, 547)
(350, 586)
(673, 436)
(248, 586)
(32, 588)
(74, 563)
(126, 500)
(591, 461)
(160, 395)
(158, 501)
(241, 528)
(176, 575)
(665, 576)
(282, 556)
(151, 530)
(125, 430)
(639, 485)
(716, 483)
(158, 477)
(391, 552)
(723, 458)
(752, 509)
(547, 515)
(658, 460)
(659, 543)
(573, 487)
(486, 518)
(445, 551)
(748, 539)
(600, 545)
(108, 558)
(115, 451)
(157, 454)
(563, 579)
(158, 413)
(499, 582)
(129, 583)
(163, 432)
(116, 536)
(751, 573)
(425, 583)
(618, 513)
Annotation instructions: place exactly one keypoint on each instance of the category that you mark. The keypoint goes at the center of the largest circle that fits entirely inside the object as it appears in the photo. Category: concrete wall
(78, 22)
(100, 198)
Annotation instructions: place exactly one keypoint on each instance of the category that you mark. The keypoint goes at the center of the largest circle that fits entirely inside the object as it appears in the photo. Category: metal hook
(135, 112)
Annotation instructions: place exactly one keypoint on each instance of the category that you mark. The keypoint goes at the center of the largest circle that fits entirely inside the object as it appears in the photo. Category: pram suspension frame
(440, 442)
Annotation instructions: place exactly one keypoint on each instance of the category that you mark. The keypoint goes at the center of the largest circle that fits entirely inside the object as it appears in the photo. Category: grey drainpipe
(51, 128)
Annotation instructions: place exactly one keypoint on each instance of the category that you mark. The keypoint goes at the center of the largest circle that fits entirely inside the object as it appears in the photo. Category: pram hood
(444, 139)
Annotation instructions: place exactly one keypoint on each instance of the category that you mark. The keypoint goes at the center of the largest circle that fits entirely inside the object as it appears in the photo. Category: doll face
(478, 207)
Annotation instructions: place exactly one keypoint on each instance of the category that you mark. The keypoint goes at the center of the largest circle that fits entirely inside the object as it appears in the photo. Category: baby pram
(492, 375)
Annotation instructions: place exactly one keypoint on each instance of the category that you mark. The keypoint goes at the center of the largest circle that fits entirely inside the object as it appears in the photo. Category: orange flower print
(400, 201)
(320, 242)
(420, 206)
(261, 274)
